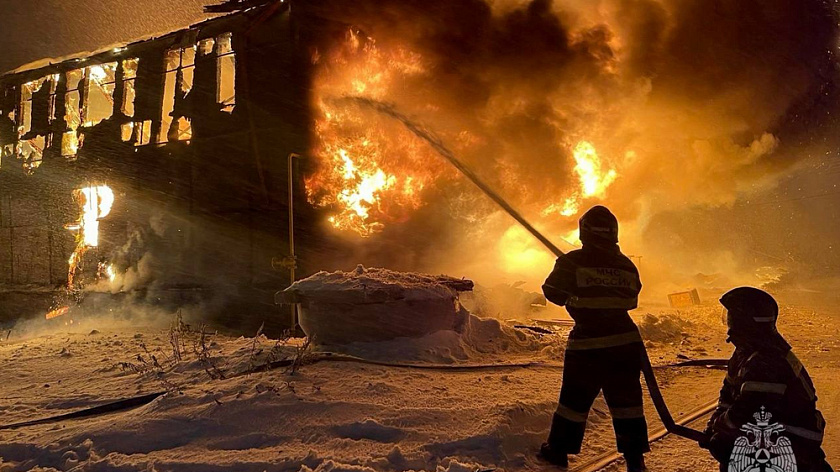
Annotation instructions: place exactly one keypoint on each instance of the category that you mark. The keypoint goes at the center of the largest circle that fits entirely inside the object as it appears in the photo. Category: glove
(719, 448)
(706, 442)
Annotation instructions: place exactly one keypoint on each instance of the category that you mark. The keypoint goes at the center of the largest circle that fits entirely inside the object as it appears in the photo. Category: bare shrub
(254, 345)
(202, 353)
(303, 355)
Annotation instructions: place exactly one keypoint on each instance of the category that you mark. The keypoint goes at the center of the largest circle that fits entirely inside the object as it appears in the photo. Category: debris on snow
(665, 328)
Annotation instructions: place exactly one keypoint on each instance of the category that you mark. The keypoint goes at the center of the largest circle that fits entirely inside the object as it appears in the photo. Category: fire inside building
(174, 153)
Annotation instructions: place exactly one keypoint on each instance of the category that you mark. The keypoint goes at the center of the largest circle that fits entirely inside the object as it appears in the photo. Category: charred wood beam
(59, 124)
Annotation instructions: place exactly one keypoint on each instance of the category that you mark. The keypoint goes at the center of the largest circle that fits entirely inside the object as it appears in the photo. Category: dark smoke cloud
(694, 102)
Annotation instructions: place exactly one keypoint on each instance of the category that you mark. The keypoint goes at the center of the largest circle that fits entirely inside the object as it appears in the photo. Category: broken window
(129, 78)
(127, 131)
(205, 46)
(100, 81)
(72, 139)
(226, 93)
(89, 100)
(51, 118)
(180, 71)
(129, 67)
(30, 147)
(31, 152)
(27, 91)
(144, 132)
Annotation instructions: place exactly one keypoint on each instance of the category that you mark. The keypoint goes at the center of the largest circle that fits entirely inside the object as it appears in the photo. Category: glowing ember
(370, 173)
(58, 312)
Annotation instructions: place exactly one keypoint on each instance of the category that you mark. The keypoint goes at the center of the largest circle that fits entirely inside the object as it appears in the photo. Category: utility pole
(290, 261)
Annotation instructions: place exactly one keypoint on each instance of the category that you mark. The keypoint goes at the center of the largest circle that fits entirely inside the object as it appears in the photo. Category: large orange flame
(370, 172)
(373, 172)
(95, 203)
(594, 179)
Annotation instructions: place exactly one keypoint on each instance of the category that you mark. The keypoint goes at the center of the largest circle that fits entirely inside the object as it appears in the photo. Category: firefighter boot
(553, 457)
(635, 463)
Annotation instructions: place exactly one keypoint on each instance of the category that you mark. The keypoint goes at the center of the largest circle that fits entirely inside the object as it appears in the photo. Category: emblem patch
(763, 448)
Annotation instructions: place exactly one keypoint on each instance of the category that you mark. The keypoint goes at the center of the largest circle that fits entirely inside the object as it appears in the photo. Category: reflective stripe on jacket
(771, 380)
(597, 286)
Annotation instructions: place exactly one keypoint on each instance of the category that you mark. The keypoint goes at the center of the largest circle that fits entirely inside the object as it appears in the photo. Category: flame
(105, 270)
(569, 207)
(593, 178)
(58, 312)
(95, 203)
(369, 173)
(372, 172)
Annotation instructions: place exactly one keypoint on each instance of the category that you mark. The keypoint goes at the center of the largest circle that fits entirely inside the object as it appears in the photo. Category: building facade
(158, 171)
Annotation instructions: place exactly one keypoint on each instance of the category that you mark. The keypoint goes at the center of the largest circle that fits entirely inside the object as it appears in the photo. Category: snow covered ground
(347, 416)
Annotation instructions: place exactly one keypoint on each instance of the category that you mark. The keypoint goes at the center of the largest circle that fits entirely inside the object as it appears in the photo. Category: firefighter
(598, 285)
(766, 389)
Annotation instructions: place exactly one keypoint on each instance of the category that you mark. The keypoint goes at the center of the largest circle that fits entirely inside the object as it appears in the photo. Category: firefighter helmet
(598, 224)
(750, 310)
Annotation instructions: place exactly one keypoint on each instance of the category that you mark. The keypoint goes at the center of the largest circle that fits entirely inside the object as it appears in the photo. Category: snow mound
(376, 305)
(367, 285)
(477, 340)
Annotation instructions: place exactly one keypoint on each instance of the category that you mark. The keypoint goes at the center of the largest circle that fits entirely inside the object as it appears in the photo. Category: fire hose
(650, 379)
(116, 406)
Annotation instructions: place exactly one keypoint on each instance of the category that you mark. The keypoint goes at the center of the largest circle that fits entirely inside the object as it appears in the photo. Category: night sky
(37, 29)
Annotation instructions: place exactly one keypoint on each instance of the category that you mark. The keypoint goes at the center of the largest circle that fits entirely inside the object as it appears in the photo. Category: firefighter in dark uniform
(598, 285)
(765, 384)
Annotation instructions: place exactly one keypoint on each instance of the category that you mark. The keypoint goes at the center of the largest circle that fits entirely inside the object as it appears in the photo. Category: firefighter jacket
(597, 285)
(761, 380)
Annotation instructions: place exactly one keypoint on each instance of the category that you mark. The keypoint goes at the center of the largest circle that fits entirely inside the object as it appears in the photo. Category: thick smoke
(695, 103)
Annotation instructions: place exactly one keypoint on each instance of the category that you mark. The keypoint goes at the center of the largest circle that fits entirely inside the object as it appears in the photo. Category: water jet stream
(389, 110)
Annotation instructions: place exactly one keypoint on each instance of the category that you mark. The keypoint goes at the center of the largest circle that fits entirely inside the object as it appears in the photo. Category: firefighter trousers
(586, 372)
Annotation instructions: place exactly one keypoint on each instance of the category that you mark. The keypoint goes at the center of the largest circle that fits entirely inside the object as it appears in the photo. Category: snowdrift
(478, 340)
(368, 305)
(397, 316)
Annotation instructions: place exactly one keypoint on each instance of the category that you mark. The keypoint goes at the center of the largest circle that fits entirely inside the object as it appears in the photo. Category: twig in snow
(202, 352)
(303, 353)
(254, 344)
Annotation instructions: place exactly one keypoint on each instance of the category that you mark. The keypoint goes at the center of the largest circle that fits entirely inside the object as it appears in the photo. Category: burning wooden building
(165, 170)
(159, 170)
